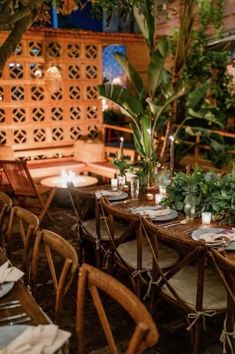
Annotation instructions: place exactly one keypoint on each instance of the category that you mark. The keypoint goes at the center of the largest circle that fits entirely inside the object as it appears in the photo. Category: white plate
(8, 333)
(171, 216)
(5, 288)
(121, 196)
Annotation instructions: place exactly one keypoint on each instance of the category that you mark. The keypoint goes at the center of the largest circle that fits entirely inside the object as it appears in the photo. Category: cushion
(128, 252)
(90, 226)
(185, 284)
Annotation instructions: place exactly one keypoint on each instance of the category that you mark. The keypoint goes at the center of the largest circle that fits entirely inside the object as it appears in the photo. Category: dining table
(177, 226)
(18, 301)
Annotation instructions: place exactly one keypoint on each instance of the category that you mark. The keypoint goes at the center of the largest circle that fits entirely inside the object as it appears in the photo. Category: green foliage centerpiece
(214, 193)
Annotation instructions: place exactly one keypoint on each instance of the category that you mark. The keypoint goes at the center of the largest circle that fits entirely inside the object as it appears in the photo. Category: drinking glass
(190, 207)
(114, 184)
(121, 182)
(135, 187)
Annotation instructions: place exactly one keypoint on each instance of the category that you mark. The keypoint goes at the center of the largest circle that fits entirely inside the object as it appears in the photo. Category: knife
(173, 224)
(14, 317)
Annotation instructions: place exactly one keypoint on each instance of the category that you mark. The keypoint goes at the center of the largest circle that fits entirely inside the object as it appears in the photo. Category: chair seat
(128, 252)
(90, 226)
(185, 284)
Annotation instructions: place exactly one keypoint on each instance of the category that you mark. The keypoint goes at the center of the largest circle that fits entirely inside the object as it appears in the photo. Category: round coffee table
(78, 181)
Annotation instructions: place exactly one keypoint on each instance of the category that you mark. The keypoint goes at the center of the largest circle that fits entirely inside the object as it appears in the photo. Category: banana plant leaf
(145, 20)
(156, 65)
(197, 95)
(146, 131)
(133, 76)
(121, 96)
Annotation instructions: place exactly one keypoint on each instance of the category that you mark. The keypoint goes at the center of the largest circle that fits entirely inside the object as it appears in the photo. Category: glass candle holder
(206, 218)
(158, 198)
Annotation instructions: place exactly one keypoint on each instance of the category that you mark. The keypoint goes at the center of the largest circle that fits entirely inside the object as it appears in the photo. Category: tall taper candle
(121, 147)
(172, 153)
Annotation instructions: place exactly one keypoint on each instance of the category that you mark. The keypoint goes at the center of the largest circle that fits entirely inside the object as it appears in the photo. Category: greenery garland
(214, 193)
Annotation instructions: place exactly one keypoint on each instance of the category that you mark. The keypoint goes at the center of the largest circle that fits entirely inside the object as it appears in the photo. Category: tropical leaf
(197, 95)
(133, 76)
(122, 97)
(145, 20)
(156, 65)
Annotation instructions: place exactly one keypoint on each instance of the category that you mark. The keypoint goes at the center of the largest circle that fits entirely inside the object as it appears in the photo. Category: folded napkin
(43, 339)
(146, 207)
(107, 193)
(153, 213)
(9, 274)
(220, 238)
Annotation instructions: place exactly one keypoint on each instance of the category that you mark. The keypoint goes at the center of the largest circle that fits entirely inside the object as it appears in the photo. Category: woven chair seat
(185, 284)
(128, 251)
(90, 226)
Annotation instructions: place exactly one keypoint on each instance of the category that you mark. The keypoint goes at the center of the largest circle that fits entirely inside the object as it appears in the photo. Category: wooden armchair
(24, 223)
(23, 185)
(145, 334)
(5, 207)
(226, 270)
(62, 260)
(91, 227)
(133, 255)
(193, 285)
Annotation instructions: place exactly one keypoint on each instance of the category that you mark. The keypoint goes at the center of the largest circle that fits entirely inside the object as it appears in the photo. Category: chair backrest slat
(54, 246)
(19, 177)
(145, 333)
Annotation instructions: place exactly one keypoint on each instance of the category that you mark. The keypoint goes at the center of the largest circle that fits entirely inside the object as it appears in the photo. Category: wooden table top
(28, 303)
(176, 230)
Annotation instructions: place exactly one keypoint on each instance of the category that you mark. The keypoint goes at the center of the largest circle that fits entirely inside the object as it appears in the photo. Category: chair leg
(46, 205)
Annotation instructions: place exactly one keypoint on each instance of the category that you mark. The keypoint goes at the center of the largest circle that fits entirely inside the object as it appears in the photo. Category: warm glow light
(67, 177)
(117, 81)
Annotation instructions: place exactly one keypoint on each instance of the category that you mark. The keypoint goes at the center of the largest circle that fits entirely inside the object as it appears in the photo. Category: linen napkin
(151, 213)
(220, 238)
(9, 274)
(107, 193)
(43, 339)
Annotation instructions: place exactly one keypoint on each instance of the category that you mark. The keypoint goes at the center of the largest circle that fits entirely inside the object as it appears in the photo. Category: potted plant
(147, 105)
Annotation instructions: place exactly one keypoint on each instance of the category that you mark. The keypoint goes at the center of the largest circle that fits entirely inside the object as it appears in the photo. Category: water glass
(135, 187)
(121, 182)
(190, 207)
(114, 184)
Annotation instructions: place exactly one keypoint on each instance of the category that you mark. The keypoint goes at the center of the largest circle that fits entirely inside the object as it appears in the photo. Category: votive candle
(158, 198)
(206, 218)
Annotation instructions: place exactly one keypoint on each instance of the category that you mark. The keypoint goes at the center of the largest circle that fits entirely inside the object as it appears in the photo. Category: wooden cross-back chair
(24, 223)
(133, 255)
(145, 333)
(23, 185)
(226, 270)
(5, 207)
(62, 260)
(90, 226)
(192, 285)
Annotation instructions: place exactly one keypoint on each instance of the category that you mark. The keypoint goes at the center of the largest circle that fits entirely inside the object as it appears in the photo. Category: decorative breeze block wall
(42, 109)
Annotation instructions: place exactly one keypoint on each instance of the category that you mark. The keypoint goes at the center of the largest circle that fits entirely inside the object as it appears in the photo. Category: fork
(10, 304)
